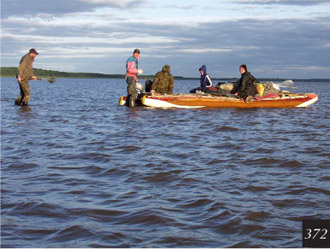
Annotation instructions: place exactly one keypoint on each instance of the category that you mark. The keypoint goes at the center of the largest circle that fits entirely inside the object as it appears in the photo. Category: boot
(248, 99)
(18, 102)
(131, 102)
(127, 100)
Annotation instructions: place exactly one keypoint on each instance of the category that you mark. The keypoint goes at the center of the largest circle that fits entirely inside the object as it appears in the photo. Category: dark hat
(136, 51)
(33, 50)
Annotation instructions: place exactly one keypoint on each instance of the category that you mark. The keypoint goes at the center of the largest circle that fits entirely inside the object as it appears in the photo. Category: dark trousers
(204, 89)
(248, 92)
(131, 91)
(24, 96)
(196, 89)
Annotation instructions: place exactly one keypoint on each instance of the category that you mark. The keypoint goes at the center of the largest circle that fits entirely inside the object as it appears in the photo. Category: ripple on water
(78, 170)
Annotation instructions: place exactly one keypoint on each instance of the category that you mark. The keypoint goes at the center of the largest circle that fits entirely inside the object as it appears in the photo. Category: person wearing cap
(24, 74)
(132, 69)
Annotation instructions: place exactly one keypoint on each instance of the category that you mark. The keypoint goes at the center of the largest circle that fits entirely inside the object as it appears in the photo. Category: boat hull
(187, 100)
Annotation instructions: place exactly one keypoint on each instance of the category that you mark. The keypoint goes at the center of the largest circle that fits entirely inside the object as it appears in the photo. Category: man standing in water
(132, 69)
(24, 74)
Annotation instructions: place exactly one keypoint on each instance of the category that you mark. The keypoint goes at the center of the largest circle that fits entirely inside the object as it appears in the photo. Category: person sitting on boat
(246, 88)
(132, 69)
(205, 81)
(163, 81)
(147, 85)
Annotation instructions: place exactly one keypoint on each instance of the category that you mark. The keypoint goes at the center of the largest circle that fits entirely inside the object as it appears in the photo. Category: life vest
(260, 88)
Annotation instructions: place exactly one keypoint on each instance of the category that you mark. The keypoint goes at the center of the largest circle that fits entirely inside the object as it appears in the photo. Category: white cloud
(111, 3)
(205, 50)
(315, 68)
(142, 39)
(285, 2)
(222, 37)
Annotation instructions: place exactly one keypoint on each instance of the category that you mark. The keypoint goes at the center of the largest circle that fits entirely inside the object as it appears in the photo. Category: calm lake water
(78, 170)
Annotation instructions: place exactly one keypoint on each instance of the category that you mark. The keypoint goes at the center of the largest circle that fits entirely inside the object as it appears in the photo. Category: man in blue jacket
(205, 81)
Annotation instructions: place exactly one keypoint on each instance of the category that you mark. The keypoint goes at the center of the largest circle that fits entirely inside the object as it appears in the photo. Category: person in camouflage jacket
(163, 81)
(24, 74)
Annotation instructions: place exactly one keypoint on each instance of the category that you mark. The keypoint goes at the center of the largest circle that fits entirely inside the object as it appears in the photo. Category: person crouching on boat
(163, 81)
(132, 69)
(246, 88)
(205, 81)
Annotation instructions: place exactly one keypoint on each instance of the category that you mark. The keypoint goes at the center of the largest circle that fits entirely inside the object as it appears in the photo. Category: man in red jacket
(132, 69)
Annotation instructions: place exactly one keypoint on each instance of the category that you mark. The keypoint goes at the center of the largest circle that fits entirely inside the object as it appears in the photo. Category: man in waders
(24, 74)
(132, 69)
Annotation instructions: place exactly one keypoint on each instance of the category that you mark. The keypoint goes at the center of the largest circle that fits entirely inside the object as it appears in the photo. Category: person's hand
(34, 78)
(140, 71)
(152, 92)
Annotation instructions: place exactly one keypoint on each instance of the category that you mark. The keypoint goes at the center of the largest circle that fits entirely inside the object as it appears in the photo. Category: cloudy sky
(275, 38)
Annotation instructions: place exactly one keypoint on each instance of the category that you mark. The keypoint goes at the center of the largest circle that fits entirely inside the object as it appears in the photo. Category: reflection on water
(24, 110)
(77, 170)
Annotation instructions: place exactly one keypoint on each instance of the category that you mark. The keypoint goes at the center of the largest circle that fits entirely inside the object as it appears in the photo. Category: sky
(274, 38)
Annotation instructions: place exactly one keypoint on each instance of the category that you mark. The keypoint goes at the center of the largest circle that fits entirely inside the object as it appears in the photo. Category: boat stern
(122, 100)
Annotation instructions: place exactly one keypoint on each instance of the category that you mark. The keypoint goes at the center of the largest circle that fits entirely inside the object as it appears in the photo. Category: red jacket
(132, 66)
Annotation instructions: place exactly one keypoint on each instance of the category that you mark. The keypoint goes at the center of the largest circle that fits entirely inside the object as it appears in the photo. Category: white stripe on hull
(164, 104)
(309, 102)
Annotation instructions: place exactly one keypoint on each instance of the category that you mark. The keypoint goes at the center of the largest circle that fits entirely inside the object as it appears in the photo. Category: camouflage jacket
(25, 69)
(163, 81)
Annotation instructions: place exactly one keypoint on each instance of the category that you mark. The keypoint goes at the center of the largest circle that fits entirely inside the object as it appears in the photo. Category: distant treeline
(42, 73)
(12, 71)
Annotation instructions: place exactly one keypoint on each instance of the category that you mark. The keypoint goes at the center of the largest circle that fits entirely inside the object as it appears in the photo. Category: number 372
(316, 233)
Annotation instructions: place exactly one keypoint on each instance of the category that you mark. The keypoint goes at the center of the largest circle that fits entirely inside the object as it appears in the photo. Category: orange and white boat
(204, 100)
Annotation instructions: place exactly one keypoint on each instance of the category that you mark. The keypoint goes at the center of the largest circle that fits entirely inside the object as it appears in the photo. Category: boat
(209, 100)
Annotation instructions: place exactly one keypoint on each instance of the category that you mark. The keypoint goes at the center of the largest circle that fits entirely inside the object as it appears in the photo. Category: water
(78, 170)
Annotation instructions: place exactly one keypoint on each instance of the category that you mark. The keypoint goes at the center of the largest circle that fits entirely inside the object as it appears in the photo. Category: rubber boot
(127, 100)
(131, 102)
(18, 102)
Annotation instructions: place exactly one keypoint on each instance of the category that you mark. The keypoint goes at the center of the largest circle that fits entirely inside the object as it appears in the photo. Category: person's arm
(155, 83)
(22, 69)
(244, 83)
(236, 87)
(171, 85)
(209, 81)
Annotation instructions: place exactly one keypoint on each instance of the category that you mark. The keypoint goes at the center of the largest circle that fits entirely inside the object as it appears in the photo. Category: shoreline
(8, 72)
